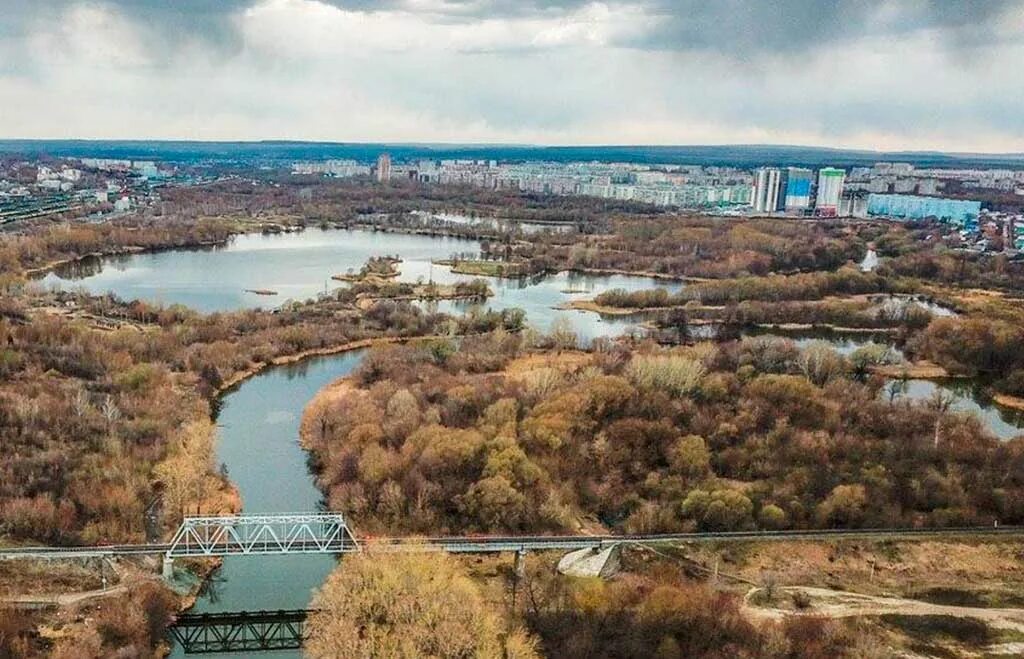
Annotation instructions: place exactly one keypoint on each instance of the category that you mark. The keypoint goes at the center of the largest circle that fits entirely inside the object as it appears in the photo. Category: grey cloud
(167, 22)
(741, 28)
(737, 29)
(746, 26)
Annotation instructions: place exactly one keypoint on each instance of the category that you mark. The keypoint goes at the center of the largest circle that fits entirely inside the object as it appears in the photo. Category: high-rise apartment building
(830, 191)
(384, 168)
(798, 189)
(769, 190)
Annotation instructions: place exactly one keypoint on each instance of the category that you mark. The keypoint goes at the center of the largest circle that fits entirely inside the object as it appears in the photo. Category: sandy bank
(1007, 400)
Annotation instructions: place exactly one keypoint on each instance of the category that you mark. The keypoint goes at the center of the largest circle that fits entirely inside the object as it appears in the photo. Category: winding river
(259, 420)
(259, 431)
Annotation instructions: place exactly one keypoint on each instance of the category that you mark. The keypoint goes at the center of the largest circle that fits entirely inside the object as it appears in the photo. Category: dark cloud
(742, 27)
(168, 23)
(732, 28)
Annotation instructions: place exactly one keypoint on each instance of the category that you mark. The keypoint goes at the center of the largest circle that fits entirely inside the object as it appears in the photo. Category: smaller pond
(967, 396)
(845, 343)
(895, 303)
(540, 296)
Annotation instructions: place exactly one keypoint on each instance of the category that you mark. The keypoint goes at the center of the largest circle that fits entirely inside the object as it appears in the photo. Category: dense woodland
(704, 247)
(95, 421)
(740, 435)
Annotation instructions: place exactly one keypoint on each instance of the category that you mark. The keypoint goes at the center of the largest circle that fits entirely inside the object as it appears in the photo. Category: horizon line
(522, 145)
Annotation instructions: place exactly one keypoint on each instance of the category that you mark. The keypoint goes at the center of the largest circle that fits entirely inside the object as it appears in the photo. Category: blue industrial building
(912, 207)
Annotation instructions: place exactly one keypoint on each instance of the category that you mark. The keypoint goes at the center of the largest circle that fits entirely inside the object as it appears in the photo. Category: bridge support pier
(167, 571)
(520, 564)
(592, 562)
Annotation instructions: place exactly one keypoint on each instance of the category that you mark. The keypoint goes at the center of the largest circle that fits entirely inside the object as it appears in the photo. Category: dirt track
(843, 604)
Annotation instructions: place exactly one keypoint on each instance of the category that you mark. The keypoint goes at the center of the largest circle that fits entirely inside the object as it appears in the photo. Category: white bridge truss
(303, 533)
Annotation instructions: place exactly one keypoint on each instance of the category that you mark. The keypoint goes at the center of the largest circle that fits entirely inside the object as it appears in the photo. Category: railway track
(486, 544)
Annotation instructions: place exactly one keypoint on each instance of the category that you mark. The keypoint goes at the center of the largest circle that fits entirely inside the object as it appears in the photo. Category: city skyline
(861, 74)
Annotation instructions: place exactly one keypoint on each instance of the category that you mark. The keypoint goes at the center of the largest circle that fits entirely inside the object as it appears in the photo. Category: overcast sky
(878, 74)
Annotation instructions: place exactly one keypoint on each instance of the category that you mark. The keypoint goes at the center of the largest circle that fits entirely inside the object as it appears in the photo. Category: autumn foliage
(744, 435)
(408, 606)
(663, 614)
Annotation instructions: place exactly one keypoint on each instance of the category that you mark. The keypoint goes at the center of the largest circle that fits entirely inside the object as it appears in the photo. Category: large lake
(295, 265)
(299, 266)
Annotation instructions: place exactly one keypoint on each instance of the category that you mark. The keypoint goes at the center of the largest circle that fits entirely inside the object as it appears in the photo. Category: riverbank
(234, 226)
(127, 250)
(418, 231)
(371, 278)
(593, 307)
(840, 329)
(366, 301)
(481, 268)
(922, 370)
(607, 272)
(604, 310)
(504, 269)
(282, 360)
(52, 265)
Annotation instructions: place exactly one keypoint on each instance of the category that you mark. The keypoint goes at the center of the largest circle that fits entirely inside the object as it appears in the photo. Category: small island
(375, 268)
(375, 282)
(484, 268)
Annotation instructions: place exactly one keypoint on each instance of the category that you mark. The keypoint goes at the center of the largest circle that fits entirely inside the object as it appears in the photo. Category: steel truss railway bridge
(245, 631)
(330, 533)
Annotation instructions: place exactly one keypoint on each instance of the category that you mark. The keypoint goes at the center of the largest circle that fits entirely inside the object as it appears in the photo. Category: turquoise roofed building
(912, 207)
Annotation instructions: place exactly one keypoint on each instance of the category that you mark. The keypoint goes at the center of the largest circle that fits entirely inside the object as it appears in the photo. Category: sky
(872, 74)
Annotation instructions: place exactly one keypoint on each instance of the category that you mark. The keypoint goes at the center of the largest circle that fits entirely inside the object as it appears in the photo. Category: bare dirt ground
(882, 568)
(921, 598)
(844, 604)
(69, 582)
(1004, 625)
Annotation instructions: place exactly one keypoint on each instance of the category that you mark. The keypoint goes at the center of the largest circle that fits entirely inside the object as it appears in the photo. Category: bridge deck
(472, 544)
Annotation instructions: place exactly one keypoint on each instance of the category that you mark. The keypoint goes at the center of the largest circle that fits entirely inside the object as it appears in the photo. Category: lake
(299, 266)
